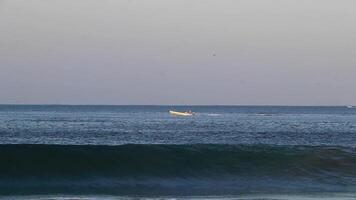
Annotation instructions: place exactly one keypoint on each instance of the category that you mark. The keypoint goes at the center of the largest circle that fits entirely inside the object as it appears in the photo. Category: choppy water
(142, 150)
(113, 125)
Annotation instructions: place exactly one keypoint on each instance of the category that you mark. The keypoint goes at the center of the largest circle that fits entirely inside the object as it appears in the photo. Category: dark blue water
(142, 150)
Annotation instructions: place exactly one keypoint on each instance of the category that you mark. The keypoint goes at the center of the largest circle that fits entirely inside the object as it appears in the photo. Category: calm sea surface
(143, 151)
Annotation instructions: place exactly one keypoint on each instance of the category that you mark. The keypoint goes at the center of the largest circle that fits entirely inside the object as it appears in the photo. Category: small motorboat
(180, 113)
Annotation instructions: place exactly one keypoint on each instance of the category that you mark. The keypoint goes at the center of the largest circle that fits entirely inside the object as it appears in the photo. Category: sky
(205, 52)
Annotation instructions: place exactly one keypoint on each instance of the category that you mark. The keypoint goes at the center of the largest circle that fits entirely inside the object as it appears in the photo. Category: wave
(175, 169)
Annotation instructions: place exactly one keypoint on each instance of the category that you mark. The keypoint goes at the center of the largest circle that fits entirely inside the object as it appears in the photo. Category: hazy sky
(275, 52)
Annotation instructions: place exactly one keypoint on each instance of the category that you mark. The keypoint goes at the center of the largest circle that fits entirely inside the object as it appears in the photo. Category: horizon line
(241, 105)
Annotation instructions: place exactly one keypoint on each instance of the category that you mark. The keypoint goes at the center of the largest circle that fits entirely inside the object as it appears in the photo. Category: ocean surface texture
(142, 151)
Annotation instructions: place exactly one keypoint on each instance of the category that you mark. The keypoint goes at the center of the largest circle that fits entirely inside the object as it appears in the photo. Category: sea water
(231, 152)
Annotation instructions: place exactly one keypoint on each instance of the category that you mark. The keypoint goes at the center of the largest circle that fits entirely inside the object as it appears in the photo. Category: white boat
(180, 113)
(349, 106)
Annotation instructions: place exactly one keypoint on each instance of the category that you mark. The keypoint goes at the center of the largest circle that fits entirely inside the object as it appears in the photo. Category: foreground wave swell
(182, 169)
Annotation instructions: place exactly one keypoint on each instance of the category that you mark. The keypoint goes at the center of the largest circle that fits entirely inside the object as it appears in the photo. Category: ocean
(133, 152)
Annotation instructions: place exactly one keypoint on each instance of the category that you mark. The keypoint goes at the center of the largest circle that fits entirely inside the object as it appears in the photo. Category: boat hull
(180, 113)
